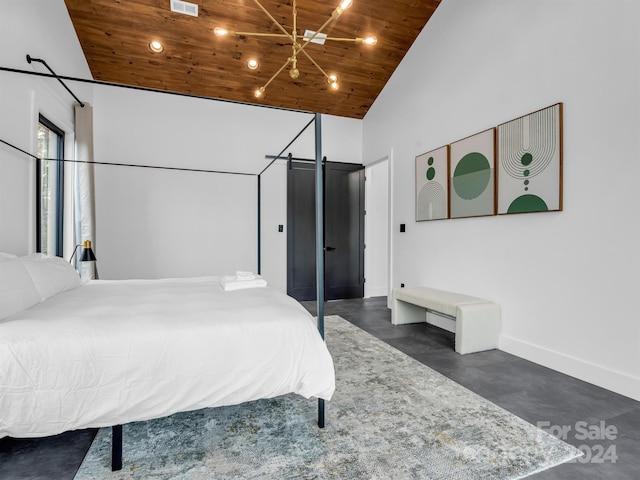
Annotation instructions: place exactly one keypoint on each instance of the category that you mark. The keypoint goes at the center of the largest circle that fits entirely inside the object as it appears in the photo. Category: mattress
(112, 352)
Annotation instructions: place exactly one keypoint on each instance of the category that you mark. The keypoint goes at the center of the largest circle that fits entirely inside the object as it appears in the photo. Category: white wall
(566, 281)
(273, 243)
(153, 223)
(377, 230)
(41, 28)
(150, 128)
(189, 223)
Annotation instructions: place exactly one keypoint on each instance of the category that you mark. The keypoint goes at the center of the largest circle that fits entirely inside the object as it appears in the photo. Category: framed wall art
(432, 185)
(529, 151)
(472, 176)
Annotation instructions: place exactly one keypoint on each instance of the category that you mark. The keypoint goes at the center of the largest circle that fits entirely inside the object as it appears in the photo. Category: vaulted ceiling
(115, 37)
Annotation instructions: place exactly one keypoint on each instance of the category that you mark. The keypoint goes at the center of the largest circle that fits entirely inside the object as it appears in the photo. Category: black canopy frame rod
(116, 454)
(114, 164)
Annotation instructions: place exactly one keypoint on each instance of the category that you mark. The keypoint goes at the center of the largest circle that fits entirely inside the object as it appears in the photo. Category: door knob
(329, 249)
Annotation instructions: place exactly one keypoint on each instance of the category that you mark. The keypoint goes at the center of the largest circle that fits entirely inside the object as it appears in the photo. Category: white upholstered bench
(477, 321)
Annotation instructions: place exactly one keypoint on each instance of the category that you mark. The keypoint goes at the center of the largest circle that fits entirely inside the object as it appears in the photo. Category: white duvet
(112, 352)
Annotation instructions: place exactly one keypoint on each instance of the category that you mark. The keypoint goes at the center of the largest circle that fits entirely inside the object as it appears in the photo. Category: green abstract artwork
(432, 185)
(472, 179)
(530, 162)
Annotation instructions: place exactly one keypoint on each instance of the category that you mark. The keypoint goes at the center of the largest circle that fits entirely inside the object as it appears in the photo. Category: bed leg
(321, 413)
(116, 448)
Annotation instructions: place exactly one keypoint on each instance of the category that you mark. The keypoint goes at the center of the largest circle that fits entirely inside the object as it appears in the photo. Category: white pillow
(51, 275)
(17, 291)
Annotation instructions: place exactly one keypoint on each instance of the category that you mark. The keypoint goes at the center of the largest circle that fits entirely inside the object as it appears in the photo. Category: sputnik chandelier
(298, 48)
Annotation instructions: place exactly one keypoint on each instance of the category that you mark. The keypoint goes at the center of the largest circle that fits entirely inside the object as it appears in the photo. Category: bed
(104, 353)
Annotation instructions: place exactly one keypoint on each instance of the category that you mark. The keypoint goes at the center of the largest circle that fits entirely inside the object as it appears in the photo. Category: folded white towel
(230, 283)
(245, 275)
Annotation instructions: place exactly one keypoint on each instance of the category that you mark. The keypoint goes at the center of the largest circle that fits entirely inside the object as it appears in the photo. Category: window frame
(58, 209)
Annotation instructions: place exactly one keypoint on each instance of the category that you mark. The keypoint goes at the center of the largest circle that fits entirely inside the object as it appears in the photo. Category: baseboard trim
(612, 380)
(375, 292)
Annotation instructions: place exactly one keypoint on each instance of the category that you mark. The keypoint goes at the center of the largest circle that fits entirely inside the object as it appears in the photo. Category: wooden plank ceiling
(115, 36)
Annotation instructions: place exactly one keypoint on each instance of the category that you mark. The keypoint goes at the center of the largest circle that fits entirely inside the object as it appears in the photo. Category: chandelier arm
(255, 34)
(319, 31)
(343, 39)
(274, 20)
(316, 64)
(277, 73)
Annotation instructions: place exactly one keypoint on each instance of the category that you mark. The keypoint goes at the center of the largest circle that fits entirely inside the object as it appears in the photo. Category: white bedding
(112, 352)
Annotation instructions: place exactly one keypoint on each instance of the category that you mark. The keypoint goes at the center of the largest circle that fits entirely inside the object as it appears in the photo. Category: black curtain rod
(39, 60)
(180, 169)
(144, 89)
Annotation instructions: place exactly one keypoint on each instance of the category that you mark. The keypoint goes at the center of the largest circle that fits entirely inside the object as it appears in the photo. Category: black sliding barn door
(301, 231)
(344, 230)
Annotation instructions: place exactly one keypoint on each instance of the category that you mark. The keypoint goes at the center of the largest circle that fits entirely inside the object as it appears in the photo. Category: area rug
(390, 418)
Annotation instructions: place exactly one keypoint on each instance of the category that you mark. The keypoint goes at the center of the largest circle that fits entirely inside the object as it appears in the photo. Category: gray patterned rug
(391, 417)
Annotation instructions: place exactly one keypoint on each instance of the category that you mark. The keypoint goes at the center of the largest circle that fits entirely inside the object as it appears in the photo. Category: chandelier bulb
(344, 4)
(332, 80)
(220, 32)
(370, 41)
(259, 91)
(294, 73)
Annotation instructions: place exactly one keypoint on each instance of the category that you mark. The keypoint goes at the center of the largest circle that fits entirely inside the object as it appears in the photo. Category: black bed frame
(116, 447)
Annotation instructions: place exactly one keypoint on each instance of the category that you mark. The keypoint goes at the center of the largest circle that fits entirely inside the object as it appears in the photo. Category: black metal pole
(116, 448)
(38, 205)
(319, 245)
(259, 227)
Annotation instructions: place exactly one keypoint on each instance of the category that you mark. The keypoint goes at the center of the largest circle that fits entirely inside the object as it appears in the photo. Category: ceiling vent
(319, 37)
(184, 7)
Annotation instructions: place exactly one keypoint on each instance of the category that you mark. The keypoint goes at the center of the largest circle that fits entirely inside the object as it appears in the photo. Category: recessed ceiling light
(252, 64)
(156, 46)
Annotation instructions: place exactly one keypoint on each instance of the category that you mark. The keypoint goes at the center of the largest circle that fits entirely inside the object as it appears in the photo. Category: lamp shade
(87, 252)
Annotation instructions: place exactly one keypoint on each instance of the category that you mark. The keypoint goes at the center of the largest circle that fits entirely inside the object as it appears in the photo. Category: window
(49, 184)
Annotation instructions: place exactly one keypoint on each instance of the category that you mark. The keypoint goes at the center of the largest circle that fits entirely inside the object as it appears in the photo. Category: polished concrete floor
(606, 426)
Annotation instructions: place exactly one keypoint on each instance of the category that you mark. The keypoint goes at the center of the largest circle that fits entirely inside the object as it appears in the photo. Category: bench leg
(477, 327)
(404, 312)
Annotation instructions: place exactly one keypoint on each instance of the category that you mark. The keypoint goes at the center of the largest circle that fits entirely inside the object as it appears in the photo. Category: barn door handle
(329, 249)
